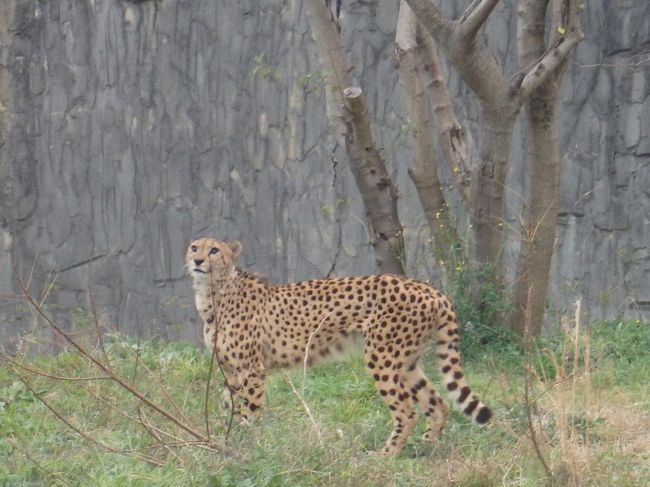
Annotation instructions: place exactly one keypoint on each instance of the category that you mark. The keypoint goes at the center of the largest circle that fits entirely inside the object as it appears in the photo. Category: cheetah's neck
(208, 285)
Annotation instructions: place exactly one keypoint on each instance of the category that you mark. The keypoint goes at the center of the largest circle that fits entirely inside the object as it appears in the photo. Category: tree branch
(450, 133)
(542, 69)
(378, 192)
(439, 26)
(470, 56)
(407, 22)
(425, 160)
(474, 17)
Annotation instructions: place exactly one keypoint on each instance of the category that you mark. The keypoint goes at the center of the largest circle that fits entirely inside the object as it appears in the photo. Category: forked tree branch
(471, 56)
(475, 17)
(440, 27)
(474, 60)
(546, 66)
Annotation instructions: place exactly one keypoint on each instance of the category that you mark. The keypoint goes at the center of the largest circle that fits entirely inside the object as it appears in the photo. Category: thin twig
(550, 387)
(207, 392)
(527, 379)
(153, 434)
(11, 361)
(177, 442)
(107, 370)
(15, 445)
(97, 397)
(137, 360)
(162, 388)
(77, 430)
(307, 410)
(215, 355)
(93, 309)
(311, 335)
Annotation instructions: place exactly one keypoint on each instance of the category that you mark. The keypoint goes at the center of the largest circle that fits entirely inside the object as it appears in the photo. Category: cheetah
(254, 327)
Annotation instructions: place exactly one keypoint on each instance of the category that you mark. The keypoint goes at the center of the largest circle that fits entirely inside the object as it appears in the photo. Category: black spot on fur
(471, 407)
(464, 392)
(483, 415)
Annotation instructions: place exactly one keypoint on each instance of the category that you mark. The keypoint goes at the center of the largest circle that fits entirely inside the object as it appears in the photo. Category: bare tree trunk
(488, 186)
(499, 107)
(500, 101)
(377, 189)
(539, 214)
(423, 170)
(451, 135)
(347, 104)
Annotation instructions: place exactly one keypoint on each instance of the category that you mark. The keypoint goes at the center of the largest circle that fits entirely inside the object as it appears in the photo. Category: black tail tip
(483, 415)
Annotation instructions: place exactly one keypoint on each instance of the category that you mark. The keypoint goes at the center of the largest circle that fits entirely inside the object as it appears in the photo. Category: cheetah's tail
(452, 371)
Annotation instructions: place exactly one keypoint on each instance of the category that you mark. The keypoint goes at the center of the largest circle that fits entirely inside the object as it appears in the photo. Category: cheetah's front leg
(246, 391)
(252, 393)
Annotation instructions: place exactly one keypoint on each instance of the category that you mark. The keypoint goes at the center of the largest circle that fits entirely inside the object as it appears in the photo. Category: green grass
(591, 421)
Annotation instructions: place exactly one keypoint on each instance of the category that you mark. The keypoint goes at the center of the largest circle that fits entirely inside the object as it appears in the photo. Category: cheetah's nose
(198, 262)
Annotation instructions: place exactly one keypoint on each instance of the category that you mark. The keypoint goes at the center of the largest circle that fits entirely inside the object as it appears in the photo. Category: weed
(261, 69)
(481, 325)
(314, 81)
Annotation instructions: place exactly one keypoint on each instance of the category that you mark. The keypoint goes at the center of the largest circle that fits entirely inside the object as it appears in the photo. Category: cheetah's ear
(235, 248)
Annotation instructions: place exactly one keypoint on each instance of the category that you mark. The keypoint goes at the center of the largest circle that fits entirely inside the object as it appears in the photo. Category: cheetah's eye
(193, 247)
(214, 250)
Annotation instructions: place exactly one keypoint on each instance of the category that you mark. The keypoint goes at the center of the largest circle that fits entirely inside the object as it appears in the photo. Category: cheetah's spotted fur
(259, 327)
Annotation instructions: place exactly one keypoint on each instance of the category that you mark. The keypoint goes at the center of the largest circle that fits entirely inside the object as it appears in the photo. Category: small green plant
(314, 81)
(262, 69)
(328, 210)
(405, 128)
(624, 341)
(80, 317)
(481, 323)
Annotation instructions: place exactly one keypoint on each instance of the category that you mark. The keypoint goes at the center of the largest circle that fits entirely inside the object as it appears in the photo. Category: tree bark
(376, 187)
(500, 102)
(539, 213)
(451, 135)
(472, 58)
(488, 186)
(347, 104)
(423, 171)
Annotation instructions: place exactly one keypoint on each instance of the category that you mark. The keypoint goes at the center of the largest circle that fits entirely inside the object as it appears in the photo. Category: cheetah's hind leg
(394, 393)
(433, 407)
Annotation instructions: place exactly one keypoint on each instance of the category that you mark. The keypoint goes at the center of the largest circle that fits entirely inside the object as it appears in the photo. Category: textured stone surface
(130, 127)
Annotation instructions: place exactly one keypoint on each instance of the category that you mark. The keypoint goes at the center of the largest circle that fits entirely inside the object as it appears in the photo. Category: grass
(590, 418)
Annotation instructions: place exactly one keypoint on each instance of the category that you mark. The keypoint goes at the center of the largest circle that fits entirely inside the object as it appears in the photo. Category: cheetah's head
(210, 258)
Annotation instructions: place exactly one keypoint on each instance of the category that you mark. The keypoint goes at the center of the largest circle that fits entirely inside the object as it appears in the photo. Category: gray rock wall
(129, 127)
